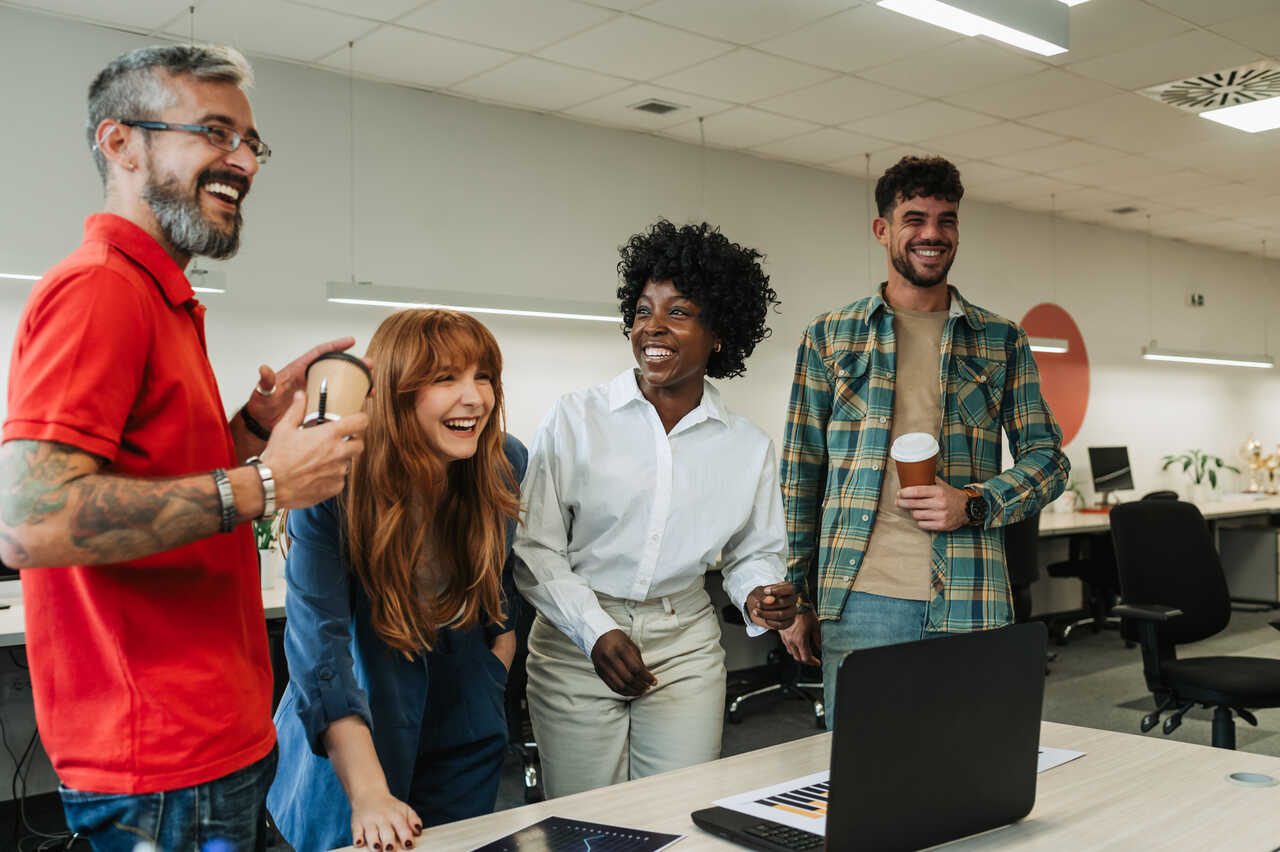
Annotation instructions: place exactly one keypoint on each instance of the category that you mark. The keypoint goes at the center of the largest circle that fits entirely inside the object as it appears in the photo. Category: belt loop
(667, 607)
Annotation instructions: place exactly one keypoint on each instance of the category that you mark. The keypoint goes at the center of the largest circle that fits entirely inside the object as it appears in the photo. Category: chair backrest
(1165, 555)
(1163, 494)
(1020, 556)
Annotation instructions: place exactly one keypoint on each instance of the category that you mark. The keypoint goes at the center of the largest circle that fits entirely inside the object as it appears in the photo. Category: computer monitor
(1111, 472)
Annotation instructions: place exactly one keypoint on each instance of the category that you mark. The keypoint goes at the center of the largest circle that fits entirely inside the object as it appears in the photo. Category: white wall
(462, 196)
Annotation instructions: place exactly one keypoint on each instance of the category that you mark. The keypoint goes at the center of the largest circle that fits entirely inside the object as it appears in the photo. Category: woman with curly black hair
(634, 489)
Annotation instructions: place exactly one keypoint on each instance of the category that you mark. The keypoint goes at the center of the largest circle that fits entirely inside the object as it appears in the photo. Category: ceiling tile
(993, 140)
(274, 28)
(1046, 90)
(880, 160)
(742, 21)
(1088, 198)
(859, 38)
(1204, 197)
(1205, 12)
(509, 24)
(838, 101)
(630, 47)
(537, 84)
(416, 59)
(1161, 183)
(620, 5)
(1105, 26)
(822, 146)
(741, 127)
(616, 108)
(744, 76)
(1112, 171)
(136, 15)
(976, 173)
(1176, 58)
(1063, 156)
(378, 10)
(960, 66)
(1126, 121)
(1027, 187)
(1175, 219)
(1256, 206)
(1260, 32)
(921, 121)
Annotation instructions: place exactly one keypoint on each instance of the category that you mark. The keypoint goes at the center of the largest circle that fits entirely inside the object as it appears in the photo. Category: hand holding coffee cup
(310, 465)
(916, 456)
(337, 384)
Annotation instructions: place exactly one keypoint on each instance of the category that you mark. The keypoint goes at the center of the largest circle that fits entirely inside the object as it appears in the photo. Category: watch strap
(268, 488)
(226, 499)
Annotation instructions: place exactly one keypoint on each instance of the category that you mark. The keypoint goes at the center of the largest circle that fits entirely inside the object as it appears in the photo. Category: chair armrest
(1146, 612)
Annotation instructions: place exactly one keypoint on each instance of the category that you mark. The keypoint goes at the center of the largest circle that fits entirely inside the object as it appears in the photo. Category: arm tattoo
(54, 494)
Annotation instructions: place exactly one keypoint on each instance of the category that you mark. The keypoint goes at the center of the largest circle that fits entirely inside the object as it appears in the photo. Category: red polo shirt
(154, 674)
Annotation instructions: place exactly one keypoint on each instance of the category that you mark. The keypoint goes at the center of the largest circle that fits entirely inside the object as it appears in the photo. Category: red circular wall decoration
(1064, 377)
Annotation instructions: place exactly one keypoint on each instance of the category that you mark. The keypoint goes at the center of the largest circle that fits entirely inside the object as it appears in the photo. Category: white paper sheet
(1051, 757)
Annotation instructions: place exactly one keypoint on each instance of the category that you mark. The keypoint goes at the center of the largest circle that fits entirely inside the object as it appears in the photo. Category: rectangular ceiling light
(1055, 345)
(19, 277)
(346, 293)
(1039, 26)
(1251, 118)
(1155, 353)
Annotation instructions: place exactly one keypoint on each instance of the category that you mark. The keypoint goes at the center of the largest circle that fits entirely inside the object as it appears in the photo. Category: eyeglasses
(221, 138)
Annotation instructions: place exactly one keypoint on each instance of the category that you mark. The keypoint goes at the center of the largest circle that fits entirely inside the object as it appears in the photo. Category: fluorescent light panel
(1056, 345)
(1154, 353)
(1251, 118)
(1039, 26)
(345, 293)
(19, 276)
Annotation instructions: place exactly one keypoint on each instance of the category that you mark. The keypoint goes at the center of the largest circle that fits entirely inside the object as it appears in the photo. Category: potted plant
(1201, 467)
(268, 533)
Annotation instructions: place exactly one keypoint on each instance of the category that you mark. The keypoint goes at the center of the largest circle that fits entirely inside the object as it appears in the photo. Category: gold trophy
(1251, 452)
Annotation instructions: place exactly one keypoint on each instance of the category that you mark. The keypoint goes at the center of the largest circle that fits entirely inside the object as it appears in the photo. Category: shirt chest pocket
(979, 390)
(849, 383)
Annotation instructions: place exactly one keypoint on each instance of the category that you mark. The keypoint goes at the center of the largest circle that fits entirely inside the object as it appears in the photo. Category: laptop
(934, 740)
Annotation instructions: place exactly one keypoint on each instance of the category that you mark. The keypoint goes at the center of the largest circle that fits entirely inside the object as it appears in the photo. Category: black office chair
(1020, 556)
(1175, 592)
(787, 677)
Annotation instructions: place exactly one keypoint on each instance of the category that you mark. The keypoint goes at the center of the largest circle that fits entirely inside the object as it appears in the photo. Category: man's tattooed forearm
(35, 475)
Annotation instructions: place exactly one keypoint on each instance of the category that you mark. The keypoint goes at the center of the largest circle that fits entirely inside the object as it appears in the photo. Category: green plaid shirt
(839, 421)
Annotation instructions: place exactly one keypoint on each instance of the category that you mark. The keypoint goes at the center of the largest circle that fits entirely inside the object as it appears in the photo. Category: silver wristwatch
(268, 488)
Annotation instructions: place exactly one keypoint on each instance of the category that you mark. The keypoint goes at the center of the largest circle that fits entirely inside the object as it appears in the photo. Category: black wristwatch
(975, 508)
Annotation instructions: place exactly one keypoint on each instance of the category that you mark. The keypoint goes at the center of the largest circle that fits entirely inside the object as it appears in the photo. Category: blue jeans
(867, 621)
(231, 808)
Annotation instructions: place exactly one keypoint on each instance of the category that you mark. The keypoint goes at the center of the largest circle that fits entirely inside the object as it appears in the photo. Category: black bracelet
(255, 428)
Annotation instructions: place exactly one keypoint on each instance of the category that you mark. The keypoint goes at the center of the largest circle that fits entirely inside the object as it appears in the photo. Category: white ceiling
(823, 83)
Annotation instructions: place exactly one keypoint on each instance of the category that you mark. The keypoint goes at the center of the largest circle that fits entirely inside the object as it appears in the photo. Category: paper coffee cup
(916, 455)
(337, 384)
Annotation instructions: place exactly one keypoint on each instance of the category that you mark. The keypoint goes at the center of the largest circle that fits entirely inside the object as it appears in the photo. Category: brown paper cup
(917, 473)
(916, 455)
(337, 384)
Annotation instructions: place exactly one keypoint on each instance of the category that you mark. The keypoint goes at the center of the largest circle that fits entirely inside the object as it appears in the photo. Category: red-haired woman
(397, 636)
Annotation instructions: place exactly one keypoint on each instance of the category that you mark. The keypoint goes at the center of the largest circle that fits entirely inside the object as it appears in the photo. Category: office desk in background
(1227, 508)
(1127, 792)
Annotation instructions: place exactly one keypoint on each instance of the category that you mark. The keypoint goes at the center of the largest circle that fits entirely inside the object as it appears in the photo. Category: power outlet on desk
(14, 686)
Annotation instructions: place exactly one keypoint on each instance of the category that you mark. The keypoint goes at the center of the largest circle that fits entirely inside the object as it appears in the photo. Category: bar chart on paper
(557, 834)
(799, 803)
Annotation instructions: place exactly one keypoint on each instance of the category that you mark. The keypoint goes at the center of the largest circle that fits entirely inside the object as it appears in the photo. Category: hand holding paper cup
(337, 384)
(916, 455)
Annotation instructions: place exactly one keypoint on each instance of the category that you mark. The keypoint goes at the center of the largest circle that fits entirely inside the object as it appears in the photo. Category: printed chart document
(557, 834)
(802, 802)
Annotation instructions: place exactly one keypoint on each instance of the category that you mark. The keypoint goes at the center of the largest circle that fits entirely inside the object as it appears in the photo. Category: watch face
(976, 509)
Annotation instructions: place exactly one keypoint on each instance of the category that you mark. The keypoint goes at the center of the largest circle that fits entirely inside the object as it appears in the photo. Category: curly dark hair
(915, 177)
(723, 278)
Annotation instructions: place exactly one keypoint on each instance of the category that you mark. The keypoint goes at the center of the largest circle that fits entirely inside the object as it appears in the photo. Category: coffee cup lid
(914, 447)
(343, 356)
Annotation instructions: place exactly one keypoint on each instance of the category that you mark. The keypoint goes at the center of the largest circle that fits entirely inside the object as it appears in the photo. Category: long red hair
(468, 502)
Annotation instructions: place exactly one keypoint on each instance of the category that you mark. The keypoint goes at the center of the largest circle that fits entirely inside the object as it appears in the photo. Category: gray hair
(130, 88)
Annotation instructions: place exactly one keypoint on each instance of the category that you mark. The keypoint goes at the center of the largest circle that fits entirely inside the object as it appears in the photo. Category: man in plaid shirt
(898, 564)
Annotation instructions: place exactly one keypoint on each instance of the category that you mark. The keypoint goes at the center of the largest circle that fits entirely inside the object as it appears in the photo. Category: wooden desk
(1128, 792)
(1241, 506)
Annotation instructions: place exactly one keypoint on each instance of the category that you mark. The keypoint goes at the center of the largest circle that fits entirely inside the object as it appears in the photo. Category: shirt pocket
(979, 390)
(849, 385)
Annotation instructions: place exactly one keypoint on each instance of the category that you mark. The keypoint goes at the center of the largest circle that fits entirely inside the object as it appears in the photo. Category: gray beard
(907, 271)
(184, 225)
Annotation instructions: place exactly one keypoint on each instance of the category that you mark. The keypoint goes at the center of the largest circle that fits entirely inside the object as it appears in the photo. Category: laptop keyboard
(785, 837)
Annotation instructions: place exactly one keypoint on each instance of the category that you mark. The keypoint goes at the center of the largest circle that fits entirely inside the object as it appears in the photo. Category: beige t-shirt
(900, 554)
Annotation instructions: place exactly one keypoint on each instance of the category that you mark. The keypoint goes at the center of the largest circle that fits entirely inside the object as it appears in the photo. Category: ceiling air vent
(1126, 210)
(1257, 81)
(656, 106)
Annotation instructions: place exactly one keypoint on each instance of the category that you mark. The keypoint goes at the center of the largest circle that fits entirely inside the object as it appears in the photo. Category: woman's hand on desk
(774, 606)
(381, 822)
(803, 638)
(620, 666)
